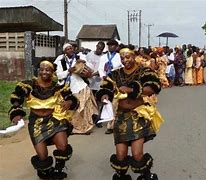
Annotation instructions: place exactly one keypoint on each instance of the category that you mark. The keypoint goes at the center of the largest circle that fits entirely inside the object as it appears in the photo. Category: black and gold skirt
(44, 128)
(129, 126)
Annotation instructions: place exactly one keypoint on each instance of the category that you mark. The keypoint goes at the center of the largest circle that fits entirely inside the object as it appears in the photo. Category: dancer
(51, 109)
(137, 119)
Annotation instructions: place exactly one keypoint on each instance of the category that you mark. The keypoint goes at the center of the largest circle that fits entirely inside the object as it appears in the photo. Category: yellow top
(53, 102)
(36, 103)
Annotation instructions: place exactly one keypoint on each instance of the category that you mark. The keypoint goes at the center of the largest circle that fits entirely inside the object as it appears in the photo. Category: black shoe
(109, 131)
(46, 174)
(153, 176)
(95, 118)
(121, 177)
(150, 176)
(99, 125)
(58, 175)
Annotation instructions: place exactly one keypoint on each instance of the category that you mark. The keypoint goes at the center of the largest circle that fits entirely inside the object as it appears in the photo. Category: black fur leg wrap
(143, 166)
(41, 165)
(120, 167)
(63, 155)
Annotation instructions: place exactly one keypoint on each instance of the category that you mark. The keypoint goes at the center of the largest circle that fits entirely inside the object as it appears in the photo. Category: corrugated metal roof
(26, 18)
(98, 32)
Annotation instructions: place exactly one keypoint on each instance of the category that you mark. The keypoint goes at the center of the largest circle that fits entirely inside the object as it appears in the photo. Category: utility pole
(148, 33)
(65, 20)
(128, 31)
(66, 2)
(140, 27)
(131, 17)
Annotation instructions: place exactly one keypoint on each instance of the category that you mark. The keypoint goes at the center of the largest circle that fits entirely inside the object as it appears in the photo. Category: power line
(131, 17)
(140, 27)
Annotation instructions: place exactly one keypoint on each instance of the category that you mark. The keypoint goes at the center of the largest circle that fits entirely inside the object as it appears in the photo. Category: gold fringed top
(36, 103)
(37, 97)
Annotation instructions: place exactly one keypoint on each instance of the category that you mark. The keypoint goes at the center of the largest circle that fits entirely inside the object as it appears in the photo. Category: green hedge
(6, 87)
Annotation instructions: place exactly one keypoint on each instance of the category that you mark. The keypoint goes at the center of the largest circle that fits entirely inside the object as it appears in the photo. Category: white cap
(66, 45)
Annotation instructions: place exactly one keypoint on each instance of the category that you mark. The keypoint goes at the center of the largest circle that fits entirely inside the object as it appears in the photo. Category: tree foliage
(204, 27)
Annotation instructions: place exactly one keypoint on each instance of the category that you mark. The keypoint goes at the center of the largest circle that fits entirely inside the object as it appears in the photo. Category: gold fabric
(117, 94)
(150, 113)
(58, 114)
(53, 102)
(161, 71)
(188, 71)
(37, 103)
(82, 120)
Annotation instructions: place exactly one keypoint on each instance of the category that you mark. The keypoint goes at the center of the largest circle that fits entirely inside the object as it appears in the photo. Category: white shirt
(116, 62)
(76, 82)
(171, 57)
(94, 59)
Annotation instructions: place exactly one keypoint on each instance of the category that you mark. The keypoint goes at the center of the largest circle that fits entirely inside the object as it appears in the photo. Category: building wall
(45, 46)
(11, 65)
(11, 56)
(17, 60)
(45, 51)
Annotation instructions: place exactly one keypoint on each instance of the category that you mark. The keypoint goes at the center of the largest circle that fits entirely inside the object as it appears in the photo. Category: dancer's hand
(125, 89)
(80, 61)
(16, 119)
(66, 105)
(71, 70)
(105, 99)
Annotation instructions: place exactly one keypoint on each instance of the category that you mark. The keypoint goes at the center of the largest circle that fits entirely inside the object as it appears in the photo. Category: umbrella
(167, 35)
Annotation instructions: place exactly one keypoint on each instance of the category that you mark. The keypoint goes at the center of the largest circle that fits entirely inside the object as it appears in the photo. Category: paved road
(178, 150)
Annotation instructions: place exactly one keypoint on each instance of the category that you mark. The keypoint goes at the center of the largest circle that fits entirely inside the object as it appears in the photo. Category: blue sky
(183, 17)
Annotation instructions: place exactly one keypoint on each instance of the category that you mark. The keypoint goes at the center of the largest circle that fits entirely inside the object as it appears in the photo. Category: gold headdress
(48, 63)
(126, 50)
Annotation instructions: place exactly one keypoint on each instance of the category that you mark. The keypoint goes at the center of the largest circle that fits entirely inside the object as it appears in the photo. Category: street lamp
(132, 16)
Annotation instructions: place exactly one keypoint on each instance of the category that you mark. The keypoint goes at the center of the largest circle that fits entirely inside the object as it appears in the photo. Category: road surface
(179, 149)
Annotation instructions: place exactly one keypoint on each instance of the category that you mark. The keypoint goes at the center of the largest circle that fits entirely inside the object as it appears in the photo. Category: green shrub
(6, 88)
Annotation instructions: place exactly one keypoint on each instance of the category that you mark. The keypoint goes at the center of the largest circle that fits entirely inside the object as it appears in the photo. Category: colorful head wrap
(154, 49)
(160, 50)
(178, 47)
